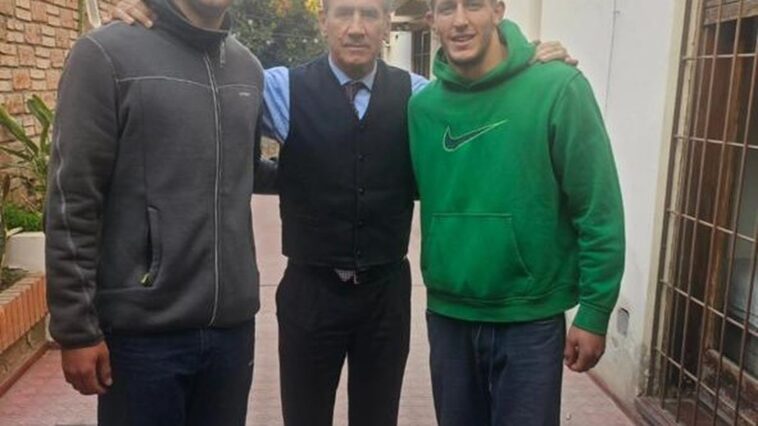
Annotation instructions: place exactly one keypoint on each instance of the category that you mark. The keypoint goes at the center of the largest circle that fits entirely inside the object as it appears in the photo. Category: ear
(499, 11)
(429, 18)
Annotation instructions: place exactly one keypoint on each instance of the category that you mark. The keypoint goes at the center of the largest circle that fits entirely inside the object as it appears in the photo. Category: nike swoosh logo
(452, 143)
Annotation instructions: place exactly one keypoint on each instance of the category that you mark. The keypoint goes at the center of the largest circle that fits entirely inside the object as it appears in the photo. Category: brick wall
(35, 36)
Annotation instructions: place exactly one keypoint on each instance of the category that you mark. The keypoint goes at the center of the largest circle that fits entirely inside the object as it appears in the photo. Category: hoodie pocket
(474, 256)
(154, 234)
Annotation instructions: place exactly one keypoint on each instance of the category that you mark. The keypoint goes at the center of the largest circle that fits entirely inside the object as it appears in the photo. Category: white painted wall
(528, 15)
(398, 53)
(586, 28)
(628, 50)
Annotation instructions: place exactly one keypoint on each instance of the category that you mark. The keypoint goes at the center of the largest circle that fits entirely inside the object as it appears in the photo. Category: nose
(460, 19)
(356, 28)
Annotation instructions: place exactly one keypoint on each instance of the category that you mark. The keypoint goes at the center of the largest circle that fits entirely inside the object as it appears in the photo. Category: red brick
(42, 52)
(61, 38)
(57, 57)
(26, 56)
(43, 64)
(52, 78)
(53, 21)
(37, 74)
(21, 79)
(8, 49)
(39, 12)
(48, 41)
(24, 4)
(3, 326)
(67, 19)
(53, 10)
(3, 27)
(5, 74)
(6, 86)
(15, 37)
(23, 15)
(38, 85)
(6, 7)
(50, 98)
(15, 25)
(33, 34)
(8, 61)
(48, 30)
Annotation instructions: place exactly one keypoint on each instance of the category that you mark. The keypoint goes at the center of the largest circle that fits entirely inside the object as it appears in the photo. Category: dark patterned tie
(351, 89)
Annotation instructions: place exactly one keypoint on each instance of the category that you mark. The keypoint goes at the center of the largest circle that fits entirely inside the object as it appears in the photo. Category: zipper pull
(146, 281)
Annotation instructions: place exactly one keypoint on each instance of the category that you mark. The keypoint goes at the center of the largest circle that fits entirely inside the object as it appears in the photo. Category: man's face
(354, 30)
(465, 28)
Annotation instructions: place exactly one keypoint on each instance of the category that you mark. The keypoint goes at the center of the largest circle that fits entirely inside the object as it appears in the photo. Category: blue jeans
(194, 377)
(486, 374)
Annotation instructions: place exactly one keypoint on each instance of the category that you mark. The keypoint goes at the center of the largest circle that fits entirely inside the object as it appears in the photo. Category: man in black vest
(346, 188)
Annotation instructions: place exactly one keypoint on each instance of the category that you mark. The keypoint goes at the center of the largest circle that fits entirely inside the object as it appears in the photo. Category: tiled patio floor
(42, 398)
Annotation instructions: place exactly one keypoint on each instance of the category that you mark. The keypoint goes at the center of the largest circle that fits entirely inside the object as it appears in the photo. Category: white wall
(528, 14)
(628, 50)
(399, 51)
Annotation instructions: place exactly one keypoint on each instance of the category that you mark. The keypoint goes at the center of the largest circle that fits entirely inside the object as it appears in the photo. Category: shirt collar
(367, 80)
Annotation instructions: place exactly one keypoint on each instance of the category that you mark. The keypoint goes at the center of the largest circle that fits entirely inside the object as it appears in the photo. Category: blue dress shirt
(276, 97)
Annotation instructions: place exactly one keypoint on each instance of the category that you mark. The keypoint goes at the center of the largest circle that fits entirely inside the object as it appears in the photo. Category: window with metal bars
(704, 361)
(422, 41)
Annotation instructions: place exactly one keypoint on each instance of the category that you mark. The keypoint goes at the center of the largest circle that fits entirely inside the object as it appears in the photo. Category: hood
(520, 53)
(173, 21)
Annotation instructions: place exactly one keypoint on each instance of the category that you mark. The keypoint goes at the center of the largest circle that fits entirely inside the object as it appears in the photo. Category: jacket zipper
(214, 90)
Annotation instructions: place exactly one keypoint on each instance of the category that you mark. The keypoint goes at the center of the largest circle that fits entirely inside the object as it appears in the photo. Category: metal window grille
(422, 42)
(704, 357)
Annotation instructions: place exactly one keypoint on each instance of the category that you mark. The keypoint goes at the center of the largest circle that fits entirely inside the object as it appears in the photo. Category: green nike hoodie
(521, 212)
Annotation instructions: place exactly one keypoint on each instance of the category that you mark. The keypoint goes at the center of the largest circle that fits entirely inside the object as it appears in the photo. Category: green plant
(31, 159)
(16, 216)
(5, 190)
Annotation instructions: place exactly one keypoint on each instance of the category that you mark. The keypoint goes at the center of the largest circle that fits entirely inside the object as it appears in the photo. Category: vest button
(361, 157)
(361, 224)
(358, 253)
(361, 191)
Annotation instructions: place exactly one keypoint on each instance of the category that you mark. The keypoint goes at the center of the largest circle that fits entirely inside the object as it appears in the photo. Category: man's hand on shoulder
(88, 369)
(553, 51)
(131, 11)
(583, 349)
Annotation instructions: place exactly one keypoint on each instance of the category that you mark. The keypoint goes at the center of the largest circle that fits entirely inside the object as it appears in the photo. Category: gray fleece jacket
(148, 216)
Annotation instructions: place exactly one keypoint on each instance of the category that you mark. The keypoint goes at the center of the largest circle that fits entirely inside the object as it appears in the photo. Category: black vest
(346, 185)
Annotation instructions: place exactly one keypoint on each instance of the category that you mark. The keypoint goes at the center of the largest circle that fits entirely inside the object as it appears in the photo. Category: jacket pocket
(474, 256)
(155, 251)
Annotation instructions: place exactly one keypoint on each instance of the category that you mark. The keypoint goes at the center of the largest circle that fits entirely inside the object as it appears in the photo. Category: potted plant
(23, 185)
(28, 171)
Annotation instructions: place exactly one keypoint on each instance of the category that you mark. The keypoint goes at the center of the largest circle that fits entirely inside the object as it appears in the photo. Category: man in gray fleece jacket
(152, 278)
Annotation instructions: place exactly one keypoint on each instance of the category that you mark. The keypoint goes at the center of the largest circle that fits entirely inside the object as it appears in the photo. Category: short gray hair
(388, 5)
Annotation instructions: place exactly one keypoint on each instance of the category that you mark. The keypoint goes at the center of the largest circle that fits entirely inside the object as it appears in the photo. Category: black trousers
(323, 321)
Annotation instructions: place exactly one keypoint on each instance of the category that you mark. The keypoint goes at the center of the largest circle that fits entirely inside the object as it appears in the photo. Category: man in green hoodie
(521, 218)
